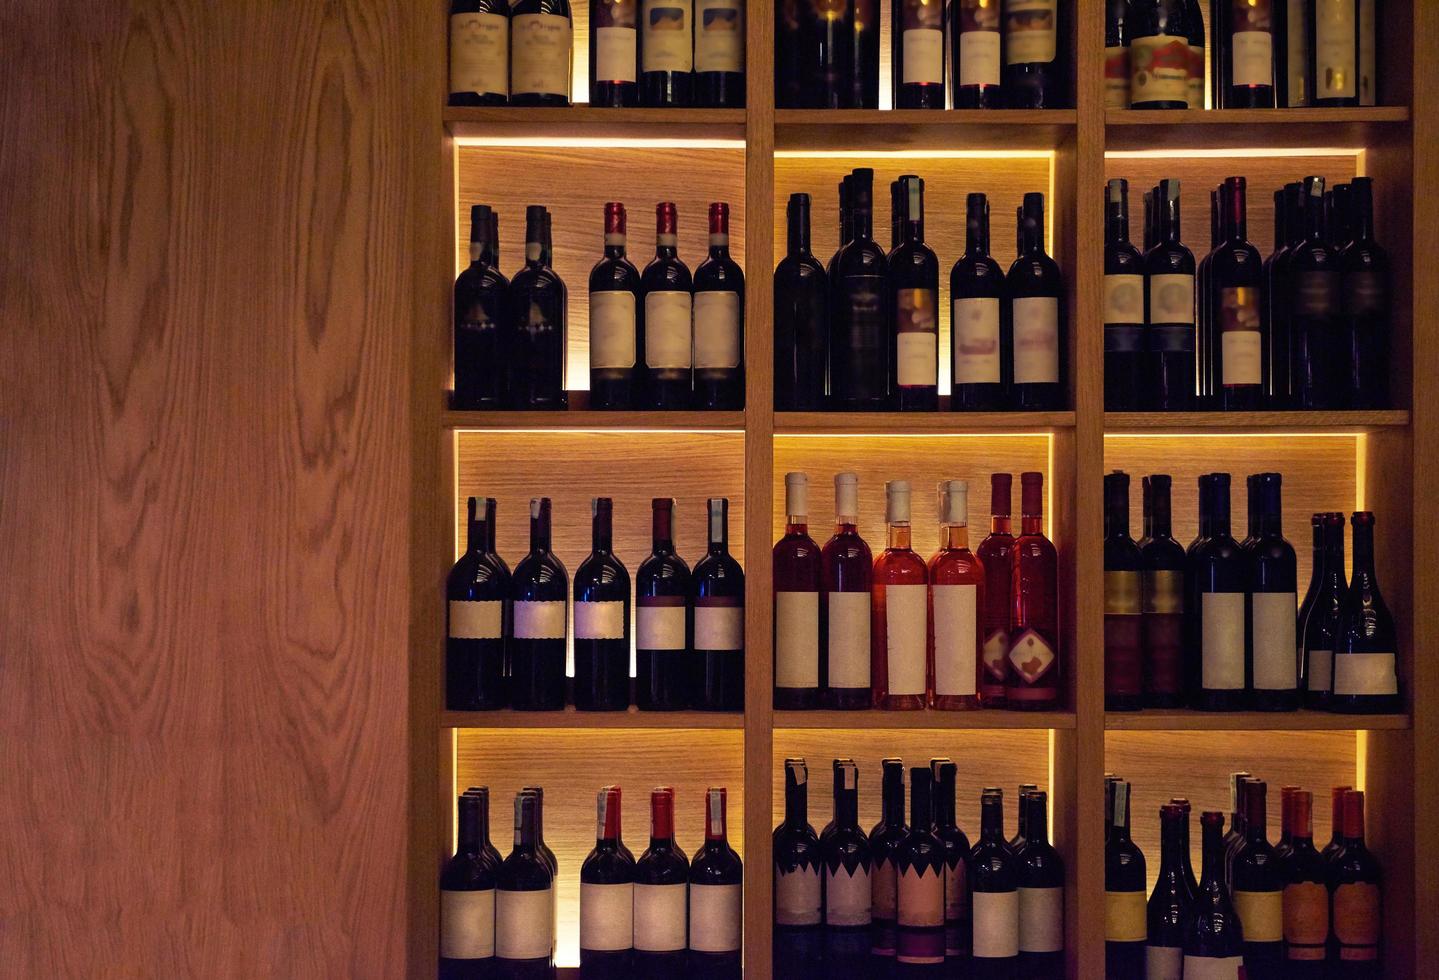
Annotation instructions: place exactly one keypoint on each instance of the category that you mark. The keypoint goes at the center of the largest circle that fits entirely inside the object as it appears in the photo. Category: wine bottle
(1285, 845)
(719, 618)
(845, 852)
(1215, 587)
(1194, 31)
(846, 578)
(1035, 288)
(539, 591)
(664, 620)
(1032, 76)
(1116, 54)
(958, 922)
(914, 300)
(1169, 310)
(974, 54)
(899, 628)
(719, 321)
(1205, 340)
(1193, 883)
(796, 564)
(478, 589)
(1235, 836)
(1123, 305)
(1123, 602)
(1335, 27)
(541, 47)
(661, 874)
(607, 891)
(865, 77)
(716, 879)
(1125, 913)
(1213, 936)
(1294, 86)
(1245, 35)
(479, 52)
(994, 879)
(1321, 627)
(614, 301)
(996, 553)
(481, 339)
(792, 75)
(1162, 560)
(667, 40)
(1258, 884)
(956, 596)
(1158, 55)
(719, 54)
(668, 338)
(467, 893)
(538, 328)
(1316, 580)
(1235, 282)
(859, 318)
(1276, 313)
(979, 336)
(1313, 299)
(822, 39)
(1170, 901)
(614, 53)
(1365, 673)
(797, 887)
(917, 60)
(846, 226)
(801, 318)
(1034, 653)
(1041, 894)
(1306, 894)
(1020, 815)
(1336, 823)
(524, 899)
(602, 620)
(920, 859)
(1273, 587)
(1355, 881)
(1338, 216)
(1364, 306)
(884, 842)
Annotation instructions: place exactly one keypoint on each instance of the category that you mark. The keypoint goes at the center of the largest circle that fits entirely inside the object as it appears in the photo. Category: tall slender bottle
(801, 318)
(975, 54)
(719, 321)
(1334, 37)
(1123, 305)
(1236, 278)
(1170, 901)
(539, 591)
(1314, 285)
(542, 40)
(994, 881)
(979, 324)
(524, 899)
(479, 52)
(1123, 602)
(1162, 624)
(1321, 626)
(602, 620)
(845, 851)
(956, 597)
(667, 38)
(607, 894)
(667, 339)
(614, 304)
(1277, 315)
(467, 894)
(958, 924)
(478, 593)
(796, 564)
(1215, 590)
(1183, 803)
(661, 876)
(614, 53)
(716, 879)
(664, 620)
(1257, 879)
(914, 299)
(884, 842)
(917, 61)
(1316, 579)
(1125, 913)
(1306, 893)
(538, 304)
(1245, 71)
(1034, 652)
(1355, 897)
(1035, 287)
(1116, 54)
(996, 553)
(865, 78)
(921, 879)
(1041, 894)
(860, 328)
(1365, 306)
(1032, 76)
(846, 577)
(1273, 588)
(1213, 936)
(899, 627)
(797, 886)
(719, 54)
(1235, 836)
(482, 342)
(719, 618)
(1365, 654)
(1169, 310)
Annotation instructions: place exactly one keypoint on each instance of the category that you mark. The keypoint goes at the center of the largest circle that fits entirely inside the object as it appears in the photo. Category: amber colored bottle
(1306, 893)
(996, 553)
(899, 625)
(1034, 632)
(956, 595)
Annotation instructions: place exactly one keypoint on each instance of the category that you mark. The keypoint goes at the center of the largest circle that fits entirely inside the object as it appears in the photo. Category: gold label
(1121, 593)
(1164, 592)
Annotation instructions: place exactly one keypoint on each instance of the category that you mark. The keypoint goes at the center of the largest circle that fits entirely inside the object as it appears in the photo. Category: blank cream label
(716, 330)
(996, 924)
(660, 627)
(976, 338)
(906, 622)
(541, 57)
(1222, 640)
(524, 924)
(1365, 673)
(667, 329)
(917, 361)
(796, 896)
(1275, 615)
(600, 620)
(796, 632)
(847, 897)
(480, 53)
(1036, 339)
(719, 627)
(924, 56)
(956, 639)
(668, 36)
(612, 327)
(467, 924)
(1241, 353)
(1163, 963)
(540, 620)
(719, 35)
(1213, 968)
(607, 916)
(1252, 58)
(714, 918)
(1041, 920)
(616, 54)
(660, 917)
(476, 620)
(849, 625)
(979, 58)
(1321, 670)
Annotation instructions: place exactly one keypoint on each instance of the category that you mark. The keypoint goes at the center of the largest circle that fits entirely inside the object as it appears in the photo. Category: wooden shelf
(919, 423)
(831, 130)
(1242, 129)
(592, 421)
(1180, 423)
(570, 718)
(1184, 720)
(905, 720)
(506, 123)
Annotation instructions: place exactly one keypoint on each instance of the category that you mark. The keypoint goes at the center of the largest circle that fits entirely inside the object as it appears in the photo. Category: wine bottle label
(1274, 621)
(906, 626)
(719, 43)
(1162, 629)
(476, 620)
(921, 897)
(1357, 921)
(884, 884)
(1123, 650)
(467, 924)
(1031, 655)
(1262, 914)
(1124, 917)
(1159, 69)
(917, 337)
(923, 46)
(1163, 963)
(797, 896)
(541, 62)
(1321, 671)
(1122, 593)
(660, 917)
(1171, 300)
(849, 629)
(1297, 48)
(1336, 76)
(1367, 90)
(612, 330)
(979, 48)
(847, 897)
(796, 638)
(976, 340)
(668, 43)
(616, 41)
(996, 925)
(1239, 338)
(540, 620)
(719, 622)
(956, 891)
(1041, 920)
(956, 639)
(1029, 31)
(607, 916)
(1213, 968)
(1116, 77)
(660, 623)
(1364, 293)
(1123, 300)
(600, 620)
(1252, 45)
(667, 329)
(1164, 592)
(1306, 920)
(480, 53)
(1221, 633)
(1316, 294)
(1364, 673)
(716, 330)
(524, 924)
(1195, 89)
(1036, 339)
(996, 657)
(715, 917)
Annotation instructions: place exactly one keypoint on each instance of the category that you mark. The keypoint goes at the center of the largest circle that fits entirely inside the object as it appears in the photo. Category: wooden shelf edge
(805, 131)
(1230, 117)
(1250, 721)
(911, 720)
(589, 421)
(570, 718)
(920, 423)
(1183, 423)
(513, 122)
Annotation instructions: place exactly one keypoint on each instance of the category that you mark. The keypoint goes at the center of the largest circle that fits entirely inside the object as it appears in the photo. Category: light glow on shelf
(598, 142)
(1210, 152)
(595, 430)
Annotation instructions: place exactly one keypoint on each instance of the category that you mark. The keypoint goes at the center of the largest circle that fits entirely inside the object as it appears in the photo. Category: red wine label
(668, 42)
(956, 891)
(717, 317)
(719, 622)
(715, 918)
(1124, 917)
(607, 916)
(956, 639)
(1123, 653)
(1252, 47)
(797, 896)
(976, 340)
(540, 620)
(600, 620)
(847, 897)
(979, 48)
(1336, 76)
(1306, 920)
(660, 622)
(1036, 338)
(1029, 31)
(1365, 673)
(1163, 963)
(612, 329)
(1164, 653)
(1221, 630)
(719, 35)
(1041, 920)
(917, 336)
(476, 620)
(467, 924)
(1031, 656)
(921, 897)
(480, 53)
(667, 329)
(660, 917)
(541, 57)
(616, 41)
(1262, 914)
(1239, 337)
(1116, 77)
(1213, 968)
(906, 629)
(884, 889)
(524, 924)
(1298, 54)
(1357, 922)
(796, 639)
(1171, 300)
(923, 27)
(996, 925)
(1320, 666)
(1273, 622)
(849, 629)
(1159, 69)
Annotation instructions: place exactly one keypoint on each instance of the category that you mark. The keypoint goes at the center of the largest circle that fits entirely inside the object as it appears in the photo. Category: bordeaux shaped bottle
(716, 880)
(481, 334)
(865, 78)
(921, 879)
(1125, 913)
(994, 879)
(1258, 883)
(1313, 301)
(975, 54)
(978, 324)
(1355, 898)
(1123, 305)
(846, 580)
(914, 303)
(899, 626)
(1021, 814)
(1213, 936)
(801, 318)
(917, 59)
(1032, 76)
(664, 620)
(719, 320)
(884, 842)
(614, 324)
(667, 336)
(796, 570)
(1034, 653)
(1215, 592)
(1169, 903)
(1041, 894)
(1235, 285)
(956, 597)
(1245, 69)
(602, 620)
(719, 54)
(538, 305)
(1169, 310)
(539, 591)
(1158, 55)
(478, 589)
(1364, 306)
(1035, 287)
(607, 891)
(860, 345)
(1277, 322)
(1162, 562)
(1123, 602)
(667, 37)
(661, 876)
(1365, 654)
(1335, 28)
(1321, 626)
(719, 618)
(845, 853)
(479, 52)
(467, 894)
(1306, 894)
(541, 49)
(524, 900)
(821, 36)
(996, 553)
(614, 53)
(1273, 587)
(1336, 823)
(1316, 579)
(958, 921)
(797, 887)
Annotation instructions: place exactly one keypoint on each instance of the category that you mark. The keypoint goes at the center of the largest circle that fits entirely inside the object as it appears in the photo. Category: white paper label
(917, 362)
(796, 633)
(979, 58)
(1221, 633)
(1321, 670)
(1252, 58)
(467, 924)
(1335, 74)
(1036, 339)
(715, 918)
(1171, 299)
(956, 639)
(847, 897)
(1213, 967)
(849, 626)
(607, 916)
(476, 620)
(480, 53)
(976, 334)
(541, 58)
(1123, 299)
(616, 54)
(906, 625)
(924, 56)
(540, 620)
(719, 37)
(667, 329)
(996, 924)
(660, 917)
(716, 330)
(668, 36)
(1364, 673)
(660, 628)
(612, 327)
(524, 924)
(600, 620)
(1275, 647)
(1041, 920)
(1163, 963)
(719, 627)
(1240, 349)
(796, 897)
(1030, 31)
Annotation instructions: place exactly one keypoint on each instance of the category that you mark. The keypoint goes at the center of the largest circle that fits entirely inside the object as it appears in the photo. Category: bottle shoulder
(666, 274)
(614, 275)
(662, 568)
(602, 569)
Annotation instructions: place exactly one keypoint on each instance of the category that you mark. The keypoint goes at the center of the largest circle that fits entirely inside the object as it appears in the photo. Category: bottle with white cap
(847, 579)
(796, 603)
(956, 594)
(900, 624)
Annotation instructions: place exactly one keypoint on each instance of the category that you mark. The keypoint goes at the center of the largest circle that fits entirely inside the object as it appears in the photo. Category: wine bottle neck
(899, 536)
(976, 233)
(955, 537)
(474, 824)
(1212, 872)
(798, 229)
(715, 815)
(796, 804)
(603, 532)
(718, 527)
(991, 819)
(540, 527)
(662, 532)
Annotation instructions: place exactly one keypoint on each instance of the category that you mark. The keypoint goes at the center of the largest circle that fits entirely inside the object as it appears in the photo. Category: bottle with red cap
(666, 337)
(607, 886)
(1034, 655)
(719, 321)
(661, 894)
(1354, 898)
(1306, 893)
(716, 918)
(614, 302)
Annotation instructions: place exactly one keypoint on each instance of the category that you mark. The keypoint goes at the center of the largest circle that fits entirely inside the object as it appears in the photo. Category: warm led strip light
(1210, 153)
(599, 142)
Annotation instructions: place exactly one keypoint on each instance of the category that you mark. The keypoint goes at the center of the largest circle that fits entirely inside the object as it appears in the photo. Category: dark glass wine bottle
(797, 888)
(1235, 835)
(1257, 881)
(1123, 602)
(664, 620)
(796, 571)
(1321, 626)
(958, 922)
(719, 321)
(538, 305)
(1035, 288)
(1364, 306)
(1213, 936)
(1285, 844)
(1204, 325)
(667, 336)
(1334, 38)
(820, 74)
(801, 319)
(1306, 894)
(1124, 382)
(914, 300)
(467, 894)
(1354, 885)
(1245, 65)
(921, 879)
(719, 618)
(1366, 650)
(1033, 76)
(719, 54)
(716, 879)
(847, 579)
(1035, 657)
(1169, 310)
(1158, 55)
(865, 78)
(481, 333)
(994, 876)
(884, 843)
(667, 41)
(602, 620)
(1316, 580)
(1125, 913)
(614, 307)
(1273, 588)
(1215, 585)
(1116, 54)
(845, 851)
(614, 54)
(1194, 30)
(845, 229)
(539, 591)
(1183, 803)
(860, 327)
(1162, 560)
(979, 334)
(1021, 815)
(1170, 901)
(478, 591)
(661, 906)
(541, 50)
(524, 899)
(607, 890)
(1313, 300)
(996, 553)
(975, 54)
(1041, 894)
(1277, 317)
(917, 59)
(479, 52)
(1235, 283)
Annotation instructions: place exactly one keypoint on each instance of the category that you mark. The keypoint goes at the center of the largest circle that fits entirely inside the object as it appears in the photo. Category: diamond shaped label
(1031, 655)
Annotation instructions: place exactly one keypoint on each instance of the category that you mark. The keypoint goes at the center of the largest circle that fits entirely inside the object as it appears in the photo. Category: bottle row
(1287, 53)
(642, 53)
(1305, 328)
(962, 631)
(1215, 627)
(659, 340)
(508, 633)
(1257, 911)
(862, 333)
(1011, 56)
(660, 915)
